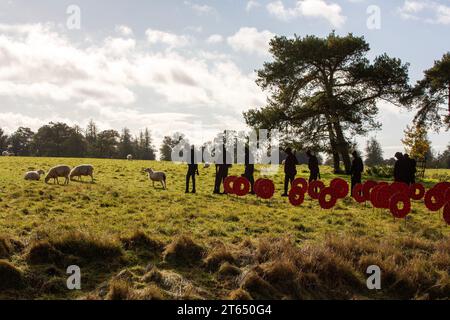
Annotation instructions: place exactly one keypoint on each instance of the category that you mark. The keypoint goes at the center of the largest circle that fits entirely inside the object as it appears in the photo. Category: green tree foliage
(324, 91)
(91, 138)
(143, 146)
(3, 140)
(146, 148)
(443, 159)
(125, 144)
(59, 140)
(374, 153)
(21, 142)
(431, 95)
(169, 142)
(108, 144)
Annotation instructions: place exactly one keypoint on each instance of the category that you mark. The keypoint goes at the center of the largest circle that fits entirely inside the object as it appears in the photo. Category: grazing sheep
(34, 175)
(129, 157)
(85, 170)
(58, 172)
(157, 177)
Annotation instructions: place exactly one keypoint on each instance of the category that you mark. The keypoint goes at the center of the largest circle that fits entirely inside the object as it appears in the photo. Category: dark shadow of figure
(357, 170)
(401, 169)
(221, 172)
(313, 165)
(249, 169)
(290, 170)
(192, 171)
(412, 169)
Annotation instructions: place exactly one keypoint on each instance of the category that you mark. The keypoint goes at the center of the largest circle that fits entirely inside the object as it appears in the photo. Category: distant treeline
(61, 140)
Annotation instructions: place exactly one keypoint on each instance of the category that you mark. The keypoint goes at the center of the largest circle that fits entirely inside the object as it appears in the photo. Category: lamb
(129, 157)
(157, 177)
(86, 170)
(58, 172)
(34, 175)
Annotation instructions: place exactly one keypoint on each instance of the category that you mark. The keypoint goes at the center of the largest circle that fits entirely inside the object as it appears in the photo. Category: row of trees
(61, 140)
(416, 148)
(324, 92)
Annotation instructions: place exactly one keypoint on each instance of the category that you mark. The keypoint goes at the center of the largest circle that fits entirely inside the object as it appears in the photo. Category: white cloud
(428, 11)
(11, 121)
(332, 12)
(118, 81)
(170, 39)
(124, 31)
(443, 14)
(251, 41)
(215, 38)
(199, 8)
(252, 4)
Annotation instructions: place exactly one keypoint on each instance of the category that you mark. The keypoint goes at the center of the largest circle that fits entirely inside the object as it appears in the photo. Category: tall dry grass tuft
(412, 268)
(43, 252)
(119, 290)
(88, 247)
(240, 295)
(123, 290)
(184, 251)
(139, 241)
(10, 276)
(217, 256)
(9, 246)
(60, 250)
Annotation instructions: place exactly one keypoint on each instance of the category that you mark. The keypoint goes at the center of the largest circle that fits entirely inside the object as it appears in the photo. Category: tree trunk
(334, 149)
(342, 146)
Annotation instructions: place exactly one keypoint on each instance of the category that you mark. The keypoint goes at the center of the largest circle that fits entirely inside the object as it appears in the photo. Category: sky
(189, 66)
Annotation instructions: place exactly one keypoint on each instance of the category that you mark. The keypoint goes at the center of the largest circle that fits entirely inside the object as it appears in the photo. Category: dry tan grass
(140, 242)
(184, 251)
(217, 256)
(270, 268)
(10, 276)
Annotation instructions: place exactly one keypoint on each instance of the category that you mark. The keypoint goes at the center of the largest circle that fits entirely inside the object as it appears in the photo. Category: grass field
(132, 241)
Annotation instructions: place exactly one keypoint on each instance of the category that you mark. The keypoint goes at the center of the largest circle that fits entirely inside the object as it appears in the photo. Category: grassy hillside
(136, 242)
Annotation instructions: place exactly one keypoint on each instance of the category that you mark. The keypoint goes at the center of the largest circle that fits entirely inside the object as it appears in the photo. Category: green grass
(122, 201)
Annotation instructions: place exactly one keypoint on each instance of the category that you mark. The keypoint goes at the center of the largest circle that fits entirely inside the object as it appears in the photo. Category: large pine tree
(431, 96)
(324, 91)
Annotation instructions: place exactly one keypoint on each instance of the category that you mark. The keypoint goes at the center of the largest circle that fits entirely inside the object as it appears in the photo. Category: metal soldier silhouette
(356, 170)
(313, 165)
(290, 170)
(192, 171)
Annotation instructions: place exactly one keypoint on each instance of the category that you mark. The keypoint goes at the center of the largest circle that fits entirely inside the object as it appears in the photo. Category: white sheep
(34, 175)
(157, 177)
(58, 172)
(129, 157)
(7, 154)
(85, 170)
